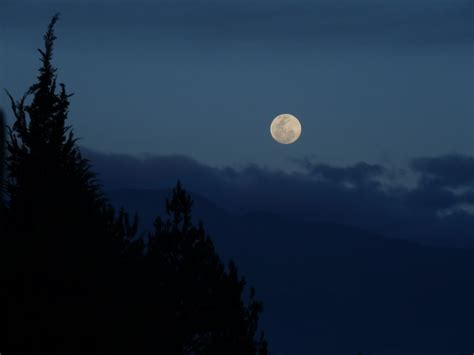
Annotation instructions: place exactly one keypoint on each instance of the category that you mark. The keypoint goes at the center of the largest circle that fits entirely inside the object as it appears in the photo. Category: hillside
(319, 281)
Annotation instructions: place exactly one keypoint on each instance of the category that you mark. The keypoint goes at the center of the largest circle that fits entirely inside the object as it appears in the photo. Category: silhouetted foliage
(74, 276)
(47, 173)
(201, 308)
(62, 234)
(3, 265)
(2, 169)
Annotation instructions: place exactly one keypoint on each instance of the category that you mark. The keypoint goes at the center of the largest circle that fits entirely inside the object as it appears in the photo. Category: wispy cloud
(446, 171)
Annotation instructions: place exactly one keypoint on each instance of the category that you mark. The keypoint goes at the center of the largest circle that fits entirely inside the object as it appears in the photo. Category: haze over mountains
(430, 201)
(332, 287)
(323, 281)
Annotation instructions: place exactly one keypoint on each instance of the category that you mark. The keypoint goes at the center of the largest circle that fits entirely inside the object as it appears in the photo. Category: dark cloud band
(352, 195)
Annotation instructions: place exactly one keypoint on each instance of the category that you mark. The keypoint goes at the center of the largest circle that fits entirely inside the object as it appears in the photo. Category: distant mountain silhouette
(334, 287)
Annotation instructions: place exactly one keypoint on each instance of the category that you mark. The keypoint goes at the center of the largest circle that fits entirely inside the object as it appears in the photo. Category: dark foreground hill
(338, 289)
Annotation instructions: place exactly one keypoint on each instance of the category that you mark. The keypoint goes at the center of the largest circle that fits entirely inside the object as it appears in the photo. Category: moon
(285, 128)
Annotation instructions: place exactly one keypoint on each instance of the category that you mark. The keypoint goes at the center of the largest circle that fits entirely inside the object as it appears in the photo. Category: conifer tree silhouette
(3, 265)
(63, 236)
(201, 308)
(46, 169)
(2, 169)
(74, 277)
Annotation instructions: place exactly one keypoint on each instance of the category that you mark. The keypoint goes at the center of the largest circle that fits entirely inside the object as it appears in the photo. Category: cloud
(357, 174)
(351, 195)
(122, 170)
(448, 171)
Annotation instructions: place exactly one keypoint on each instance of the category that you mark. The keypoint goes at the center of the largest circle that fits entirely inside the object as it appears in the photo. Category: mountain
(336, 288)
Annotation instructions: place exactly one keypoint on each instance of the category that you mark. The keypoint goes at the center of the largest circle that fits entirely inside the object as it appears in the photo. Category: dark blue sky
(380, 82)
(384, 91)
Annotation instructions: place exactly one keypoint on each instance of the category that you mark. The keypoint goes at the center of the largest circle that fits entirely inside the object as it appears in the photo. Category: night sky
(376, 198)
(381, 82)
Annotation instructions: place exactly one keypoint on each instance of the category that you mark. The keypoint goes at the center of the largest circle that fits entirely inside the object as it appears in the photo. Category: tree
(3, 294)
(63, 236)
(74, 277)
(2, 168)
(197, 300)
(2, 163)
(46, 170)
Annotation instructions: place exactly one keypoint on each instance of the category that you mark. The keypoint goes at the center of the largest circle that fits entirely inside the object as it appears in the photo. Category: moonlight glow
(285, 128)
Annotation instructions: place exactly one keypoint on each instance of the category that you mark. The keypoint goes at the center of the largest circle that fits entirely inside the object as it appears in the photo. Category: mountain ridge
(335, 274)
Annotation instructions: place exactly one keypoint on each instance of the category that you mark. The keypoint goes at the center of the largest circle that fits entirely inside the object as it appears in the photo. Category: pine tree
(64, 238)
(51, 188)
(3, 257)
(46, 169)
(2, 168)
(198, 302)
(74, 277)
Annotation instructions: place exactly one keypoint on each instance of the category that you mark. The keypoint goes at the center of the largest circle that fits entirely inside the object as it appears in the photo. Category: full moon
(285, 128)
